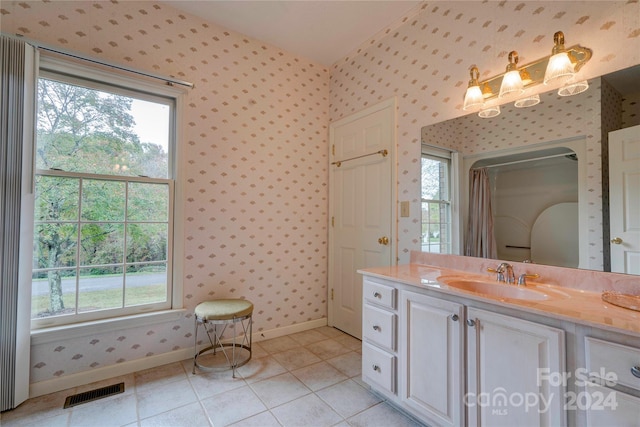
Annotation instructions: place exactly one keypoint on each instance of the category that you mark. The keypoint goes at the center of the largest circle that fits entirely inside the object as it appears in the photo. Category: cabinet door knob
(454, 317)
(376, 368)
(616, 241)
(635, 371)
(384, 240)
(377, 295)
(471, 322)
(376, 328)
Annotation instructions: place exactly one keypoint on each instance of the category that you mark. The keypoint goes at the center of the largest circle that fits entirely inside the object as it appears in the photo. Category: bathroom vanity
(452, 347)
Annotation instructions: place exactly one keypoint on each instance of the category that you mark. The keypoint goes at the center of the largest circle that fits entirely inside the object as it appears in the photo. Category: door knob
(383, 240)
(616, 241)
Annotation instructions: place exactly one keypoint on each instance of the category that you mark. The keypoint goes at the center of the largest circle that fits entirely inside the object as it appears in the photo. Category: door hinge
(333, 221)
(331, 294)
(333, 149)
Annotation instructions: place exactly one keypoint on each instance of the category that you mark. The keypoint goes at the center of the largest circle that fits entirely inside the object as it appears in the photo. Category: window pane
(53, 293)
(100, 289)
(87, 130)
(103, 200)
(146, 242)
(54, 245)
(146, 283)
(56, 198)
(102, 244)
(148, 201)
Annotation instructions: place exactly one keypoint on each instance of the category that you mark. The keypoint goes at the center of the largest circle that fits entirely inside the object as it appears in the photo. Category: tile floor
(310, 378)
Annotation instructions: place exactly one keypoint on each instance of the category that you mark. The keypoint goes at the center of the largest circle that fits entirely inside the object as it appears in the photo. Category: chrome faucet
(504, 273)
(522, 280)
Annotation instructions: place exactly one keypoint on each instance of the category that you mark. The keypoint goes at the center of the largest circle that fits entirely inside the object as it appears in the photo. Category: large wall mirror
(563, 176)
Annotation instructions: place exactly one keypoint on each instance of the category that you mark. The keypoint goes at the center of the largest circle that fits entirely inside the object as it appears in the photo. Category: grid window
(436, 204)
(104, 193)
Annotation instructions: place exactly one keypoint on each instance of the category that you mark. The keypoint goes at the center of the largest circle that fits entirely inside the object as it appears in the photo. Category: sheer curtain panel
(17, 109)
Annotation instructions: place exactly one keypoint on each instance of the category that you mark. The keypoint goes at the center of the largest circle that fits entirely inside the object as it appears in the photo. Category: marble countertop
(584, 307)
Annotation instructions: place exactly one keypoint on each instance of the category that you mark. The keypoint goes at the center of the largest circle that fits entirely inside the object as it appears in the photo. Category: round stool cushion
(223, 309)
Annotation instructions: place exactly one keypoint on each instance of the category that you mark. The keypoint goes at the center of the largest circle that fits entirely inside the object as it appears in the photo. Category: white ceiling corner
(321, 30)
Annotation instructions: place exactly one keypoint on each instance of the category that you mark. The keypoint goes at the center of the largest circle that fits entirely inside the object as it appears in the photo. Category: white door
(624, 199)
(361, 208)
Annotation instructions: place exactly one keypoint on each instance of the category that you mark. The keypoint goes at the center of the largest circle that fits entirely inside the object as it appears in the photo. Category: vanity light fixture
(512, 85)
(487, 113)
(573, 88)
(528, 101)
(559, 68)
(516, 82)
(473, 98)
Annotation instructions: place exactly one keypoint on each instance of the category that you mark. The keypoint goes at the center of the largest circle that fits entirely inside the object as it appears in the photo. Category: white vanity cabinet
(379, 336)
(511, 364)
(431, 358)
(609, 365)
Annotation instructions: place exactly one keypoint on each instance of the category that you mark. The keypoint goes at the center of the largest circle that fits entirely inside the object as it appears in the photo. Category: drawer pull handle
(471, 322)
(376, 368)
(376, 328)
(454, 317)
(377, 295)
(635, 371)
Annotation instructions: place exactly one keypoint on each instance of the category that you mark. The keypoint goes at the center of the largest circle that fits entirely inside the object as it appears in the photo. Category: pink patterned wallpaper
(424, 62)
(256, 166)
(256, 133)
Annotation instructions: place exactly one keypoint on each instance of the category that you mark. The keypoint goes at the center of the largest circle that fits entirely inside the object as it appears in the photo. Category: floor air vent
(92, 395)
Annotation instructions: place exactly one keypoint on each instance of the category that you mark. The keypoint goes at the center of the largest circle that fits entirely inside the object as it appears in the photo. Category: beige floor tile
(154, 377)
(190, 415)
(296, 358)
(165, 397)
(349, 342)
(39, 408)
(233, 406)
(327, 349)
(260, 369)
(287, 374)
(348, 398)
(319, 375)
(382, 415)
(60, 420)
(309, 410)
(207, 384)
(118, 411)
(279, 344)
(308, 337)
(277, 390)
(330, 331)
(349, 364)
(257, 351)
(263, 419)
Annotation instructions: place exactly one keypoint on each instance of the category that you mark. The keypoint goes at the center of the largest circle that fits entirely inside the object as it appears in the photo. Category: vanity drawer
(379, 294)
(379, 326)
(615, 358)
(379, 367)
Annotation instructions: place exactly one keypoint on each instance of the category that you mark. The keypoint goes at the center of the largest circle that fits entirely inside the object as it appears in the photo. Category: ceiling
(321, 30)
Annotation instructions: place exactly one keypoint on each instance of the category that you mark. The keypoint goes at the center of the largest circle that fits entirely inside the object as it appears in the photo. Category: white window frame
(431, 151)
(102, 77)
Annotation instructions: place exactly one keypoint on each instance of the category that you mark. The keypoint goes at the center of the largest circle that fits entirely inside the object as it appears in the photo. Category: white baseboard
(86, 377)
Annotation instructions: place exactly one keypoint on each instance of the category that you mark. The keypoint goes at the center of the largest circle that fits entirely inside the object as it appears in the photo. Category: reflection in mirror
(534, 204)
(565, 203)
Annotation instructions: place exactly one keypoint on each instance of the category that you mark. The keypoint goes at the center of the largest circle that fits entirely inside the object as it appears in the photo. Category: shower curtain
(480, 240)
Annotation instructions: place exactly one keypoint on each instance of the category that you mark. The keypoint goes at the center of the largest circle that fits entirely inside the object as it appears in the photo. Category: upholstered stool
(219, 314)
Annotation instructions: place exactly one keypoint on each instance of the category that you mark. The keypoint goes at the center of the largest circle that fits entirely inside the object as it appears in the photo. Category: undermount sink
(501, 290)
